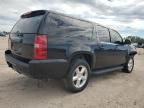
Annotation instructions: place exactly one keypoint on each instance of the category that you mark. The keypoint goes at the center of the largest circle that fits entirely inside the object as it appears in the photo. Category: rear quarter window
(61, 26)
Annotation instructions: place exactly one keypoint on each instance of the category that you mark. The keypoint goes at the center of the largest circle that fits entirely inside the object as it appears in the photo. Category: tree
(136, 39)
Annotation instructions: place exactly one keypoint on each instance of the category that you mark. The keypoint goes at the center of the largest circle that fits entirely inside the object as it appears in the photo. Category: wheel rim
(80, 76)
(130, 64)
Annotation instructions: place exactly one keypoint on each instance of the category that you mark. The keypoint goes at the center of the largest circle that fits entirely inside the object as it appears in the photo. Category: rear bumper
(39, 69)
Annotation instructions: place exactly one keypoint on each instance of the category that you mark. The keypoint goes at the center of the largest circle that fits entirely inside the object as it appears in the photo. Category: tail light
(41, 47)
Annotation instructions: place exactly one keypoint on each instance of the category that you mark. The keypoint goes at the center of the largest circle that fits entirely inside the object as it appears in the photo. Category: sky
(125, 16)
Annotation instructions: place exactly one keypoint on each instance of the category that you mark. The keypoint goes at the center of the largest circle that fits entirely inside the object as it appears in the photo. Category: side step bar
(107, 70)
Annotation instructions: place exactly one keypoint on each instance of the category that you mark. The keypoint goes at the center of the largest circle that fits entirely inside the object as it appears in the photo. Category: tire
(78, 76)
(128, 68)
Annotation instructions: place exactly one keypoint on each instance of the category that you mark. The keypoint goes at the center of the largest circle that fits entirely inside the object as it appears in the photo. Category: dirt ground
(113, 90)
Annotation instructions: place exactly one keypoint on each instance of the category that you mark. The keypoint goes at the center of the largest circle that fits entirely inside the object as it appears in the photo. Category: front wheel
(78, 76)
(128, 68)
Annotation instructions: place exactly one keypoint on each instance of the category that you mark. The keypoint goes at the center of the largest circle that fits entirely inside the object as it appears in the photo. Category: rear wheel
(130, 65)
(78, 76)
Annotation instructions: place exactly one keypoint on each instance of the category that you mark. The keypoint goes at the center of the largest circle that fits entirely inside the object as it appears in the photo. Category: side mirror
(127, 41)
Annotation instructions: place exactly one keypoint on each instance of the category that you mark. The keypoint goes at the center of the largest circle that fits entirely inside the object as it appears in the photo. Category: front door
(120, 50)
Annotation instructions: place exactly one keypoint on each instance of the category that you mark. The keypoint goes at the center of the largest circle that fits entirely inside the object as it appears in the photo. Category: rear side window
(61, 26)
(115, 36)
(102, 33)
(28, 24)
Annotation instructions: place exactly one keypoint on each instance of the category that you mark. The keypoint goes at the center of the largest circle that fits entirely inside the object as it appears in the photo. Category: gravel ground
(113, 90)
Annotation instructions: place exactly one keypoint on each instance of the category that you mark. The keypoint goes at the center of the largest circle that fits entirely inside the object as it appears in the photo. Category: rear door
(22, 34)
(105, 51)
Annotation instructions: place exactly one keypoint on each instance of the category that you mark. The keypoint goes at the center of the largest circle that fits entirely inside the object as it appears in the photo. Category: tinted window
(115, 37)
(27, 25)
(102, 33)
(62, 26)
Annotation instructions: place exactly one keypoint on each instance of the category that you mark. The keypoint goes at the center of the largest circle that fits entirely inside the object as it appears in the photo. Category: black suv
(45, 44)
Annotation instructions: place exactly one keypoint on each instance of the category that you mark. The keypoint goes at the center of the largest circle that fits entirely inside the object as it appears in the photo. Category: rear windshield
(27, 25)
